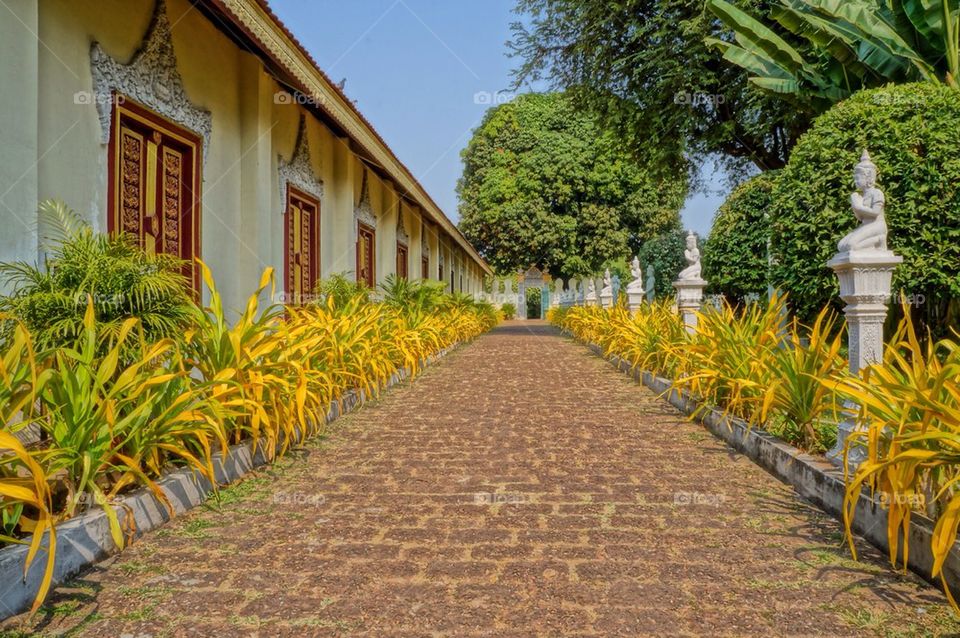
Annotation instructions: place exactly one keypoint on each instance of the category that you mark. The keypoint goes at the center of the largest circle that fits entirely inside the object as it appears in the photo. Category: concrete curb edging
(814, 478)
(86, 539)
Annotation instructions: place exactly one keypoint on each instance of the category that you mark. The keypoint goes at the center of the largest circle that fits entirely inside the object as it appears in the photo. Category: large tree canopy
(544, 184)
(645, 67)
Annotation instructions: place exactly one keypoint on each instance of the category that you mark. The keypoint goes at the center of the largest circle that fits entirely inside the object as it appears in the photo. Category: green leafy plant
(126, 421)
(122, 281)
(412, 296)
(750, 362)
(342, 290)
(508, 310)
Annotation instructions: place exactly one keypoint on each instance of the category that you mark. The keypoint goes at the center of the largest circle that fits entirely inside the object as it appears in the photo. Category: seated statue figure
(636, 272)
(692, 255)
(867, 204)
(607, 284)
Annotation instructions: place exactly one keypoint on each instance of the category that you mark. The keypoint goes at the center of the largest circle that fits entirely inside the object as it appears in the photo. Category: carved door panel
(153, 181)
(403, 269)
(366, 245)
(302, 240)
(425, 267)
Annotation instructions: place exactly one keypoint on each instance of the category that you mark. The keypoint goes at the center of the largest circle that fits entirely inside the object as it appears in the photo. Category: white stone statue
(607, 284)
(867, 204)
(591, 289)
(692, 255)
(637, 273)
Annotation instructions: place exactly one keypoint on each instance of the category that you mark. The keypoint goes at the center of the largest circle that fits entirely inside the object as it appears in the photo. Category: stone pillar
(634, 299)
(590, 293)
(865, 282)
(689, 300)
(606, 298)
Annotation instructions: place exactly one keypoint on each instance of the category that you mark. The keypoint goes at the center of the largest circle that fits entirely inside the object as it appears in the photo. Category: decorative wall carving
(172, 188)
(151, 78)
(299, 170)
(130, 182)
(363, 212)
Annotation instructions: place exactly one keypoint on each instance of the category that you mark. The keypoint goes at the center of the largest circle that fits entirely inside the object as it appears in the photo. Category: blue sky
(415, 69)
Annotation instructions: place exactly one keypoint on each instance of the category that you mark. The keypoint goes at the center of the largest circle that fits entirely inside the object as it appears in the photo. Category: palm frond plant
(341, 290)
(121, 279)
(412, 296)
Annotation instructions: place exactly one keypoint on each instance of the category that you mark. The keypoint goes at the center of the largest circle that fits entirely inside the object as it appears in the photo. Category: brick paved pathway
(388, 528)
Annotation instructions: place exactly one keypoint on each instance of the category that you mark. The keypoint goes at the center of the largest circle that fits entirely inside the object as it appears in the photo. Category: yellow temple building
(206, 130)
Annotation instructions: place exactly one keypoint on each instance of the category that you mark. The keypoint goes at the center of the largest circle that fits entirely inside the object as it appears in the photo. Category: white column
(689, 301)
(865, 282)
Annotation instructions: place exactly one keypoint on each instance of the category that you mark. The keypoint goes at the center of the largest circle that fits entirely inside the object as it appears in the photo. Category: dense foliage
(110, 423)
(645, 67)
(818, 52)
(912, 133)
(735, 252)
(665, 252)
(544, 185)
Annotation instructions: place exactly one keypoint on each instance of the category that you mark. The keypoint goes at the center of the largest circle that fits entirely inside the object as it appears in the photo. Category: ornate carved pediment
(363, 212)
(299, 170)
(151, 78)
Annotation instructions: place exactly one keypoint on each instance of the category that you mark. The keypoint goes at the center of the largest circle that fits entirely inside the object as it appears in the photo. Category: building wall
(52, 147)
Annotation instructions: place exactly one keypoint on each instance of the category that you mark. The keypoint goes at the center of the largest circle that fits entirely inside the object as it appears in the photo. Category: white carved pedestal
(590, 298)
(865, 280)
(635, 299)
(606, 299)
(689, 300)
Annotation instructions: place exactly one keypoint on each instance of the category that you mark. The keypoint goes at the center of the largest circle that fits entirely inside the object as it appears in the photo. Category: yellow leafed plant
(909, 408)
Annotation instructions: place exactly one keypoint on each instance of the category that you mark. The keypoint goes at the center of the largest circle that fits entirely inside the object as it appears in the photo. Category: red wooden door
(302, 240)
(366, 245)
(154, 184)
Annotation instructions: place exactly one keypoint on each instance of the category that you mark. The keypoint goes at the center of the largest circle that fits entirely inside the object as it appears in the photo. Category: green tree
(644, 66)
(665, 252)
(735, 252)
(544, 185)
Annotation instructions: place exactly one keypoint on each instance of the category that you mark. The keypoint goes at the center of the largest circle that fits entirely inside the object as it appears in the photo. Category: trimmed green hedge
(913, 134)
(735, 252)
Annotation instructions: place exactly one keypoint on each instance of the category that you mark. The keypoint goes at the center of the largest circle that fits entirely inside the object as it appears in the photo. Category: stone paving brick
(520, 487)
